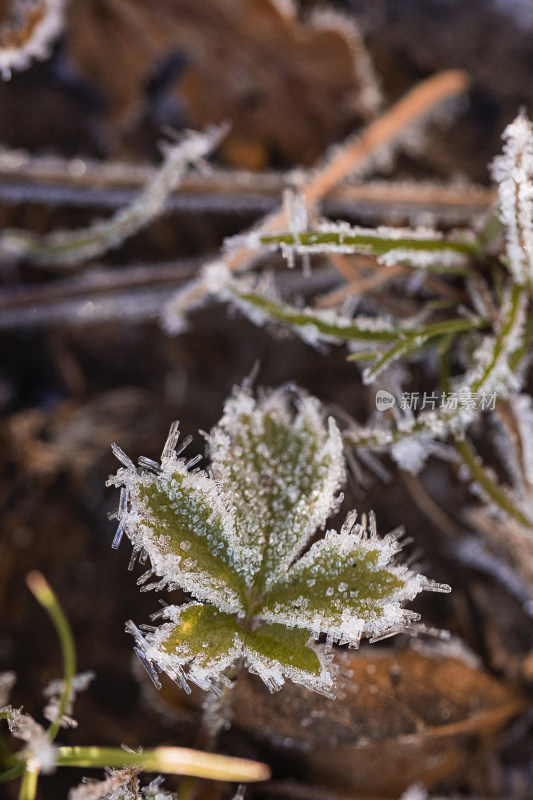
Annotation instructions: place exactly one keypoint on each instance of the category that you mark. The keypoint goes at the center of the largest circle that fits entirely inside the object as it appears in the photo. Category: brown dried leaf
(403, 717)
(286, 87)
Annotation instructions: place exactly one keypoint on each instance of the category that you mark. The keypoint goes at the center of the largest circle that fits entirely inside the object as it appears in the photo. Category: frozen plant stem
(346, 330)
(367, 241)
(492, 371)
(216, 714)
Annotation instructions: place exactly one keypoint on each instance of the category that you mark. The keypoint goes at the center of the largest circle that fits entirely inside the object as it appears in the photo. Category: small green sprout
(237, 539)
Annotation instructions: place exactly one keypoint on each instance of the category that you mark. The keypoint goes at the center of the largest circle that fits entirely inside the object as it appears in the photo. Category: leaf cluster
(236, 538)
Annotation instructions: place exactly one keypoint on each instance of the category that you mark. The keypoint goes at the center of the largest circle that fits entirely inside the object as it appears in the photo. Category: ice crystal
(53, 692)
(120, 784)
(237, 539)
(39, 752)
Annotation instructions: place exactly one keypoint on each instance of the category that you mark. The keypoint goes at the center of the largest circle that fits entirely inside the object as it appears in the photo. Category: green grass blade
(42, 592)
(172, 760)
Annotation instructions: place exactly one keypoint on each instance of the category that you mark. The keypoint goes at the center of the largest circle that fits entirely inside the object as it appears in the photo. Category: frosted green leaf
(203, 633)
(281, 471)
(346, 587)
(276, 652)
(199, 637)
(286, 645)
(179, 519)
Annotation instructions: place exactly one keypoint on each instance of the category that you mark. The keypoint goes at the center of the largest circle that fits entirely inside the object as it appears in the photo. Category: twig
(357, 287)
(98, 280)
(418, 102)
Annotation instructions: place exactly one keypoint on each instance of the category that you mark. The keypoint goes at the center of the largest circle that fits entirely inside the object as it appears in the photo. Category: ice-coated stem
(376, 244)
(71, 247)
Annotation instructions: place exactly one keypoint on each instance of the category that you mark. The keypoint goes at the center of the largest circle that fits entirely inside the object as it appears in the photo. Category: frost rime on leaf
(234, 537)
(282, 476)
(346, 586)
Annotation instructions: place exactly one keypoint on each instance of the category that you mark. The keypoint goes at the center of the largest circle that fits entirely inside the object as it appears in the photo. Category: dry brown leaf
(286, 87)
(415, 715)
(423, 714)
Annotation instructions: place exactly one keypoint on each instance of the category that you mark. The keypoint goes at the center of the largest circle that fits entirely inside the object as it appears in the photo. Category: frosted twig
(353, 155)
(71, 247)
(29, 34)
